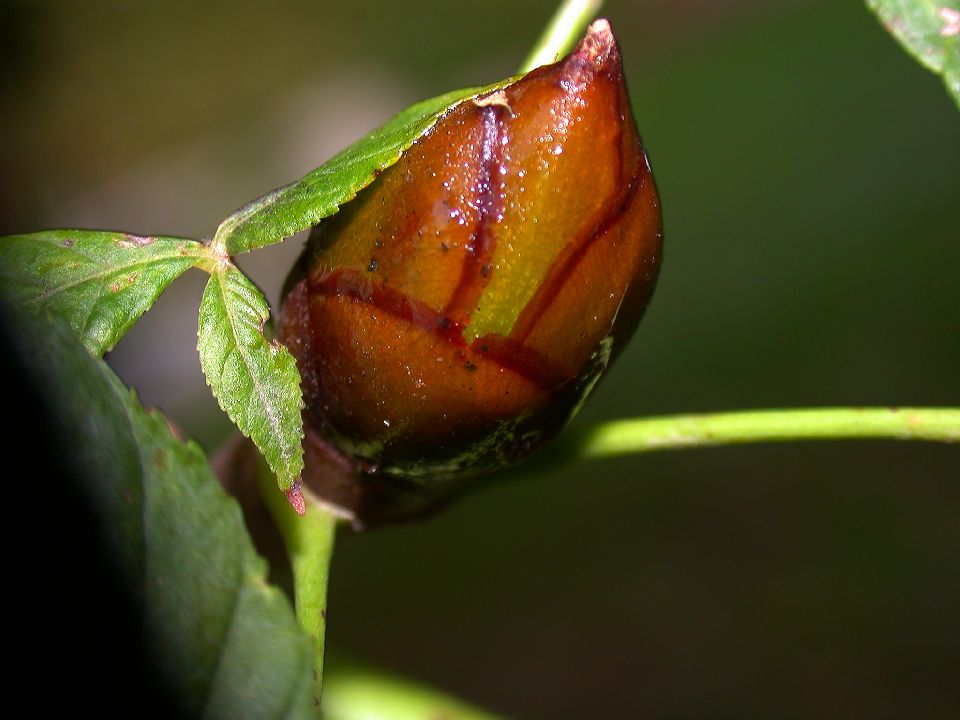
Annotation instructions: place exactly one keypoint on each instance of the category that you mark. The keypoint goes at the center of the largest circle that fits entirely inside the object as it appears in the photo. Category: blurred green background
(809, 173)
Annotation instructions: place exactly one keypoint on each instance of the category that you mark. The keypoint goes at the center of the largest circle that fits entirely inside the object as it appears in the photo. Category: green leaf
(100, 282)
(930, 31)
(319, 194)
(227, 640)
(255, 380)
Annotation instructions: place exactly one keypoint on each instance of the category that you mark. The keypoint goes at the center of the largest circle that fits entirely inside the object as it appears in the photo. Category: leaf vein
(268, 409)
(102, 274)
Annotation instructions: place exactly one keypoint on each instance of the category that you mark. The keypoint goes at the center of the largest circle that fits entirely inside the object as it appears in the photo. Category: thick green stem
(625, 437)
(565, 29)
(309, 543)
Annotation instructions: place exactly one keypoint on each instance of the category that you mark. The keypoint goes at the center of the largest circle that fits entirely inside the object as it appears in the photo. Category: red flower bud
(458, 312)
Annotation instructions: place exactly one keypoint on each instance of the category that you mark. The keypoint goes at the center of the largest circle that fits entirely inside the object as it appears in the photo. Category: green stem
(355, 692)
(562, 33)
(625, 437)
(309, 542)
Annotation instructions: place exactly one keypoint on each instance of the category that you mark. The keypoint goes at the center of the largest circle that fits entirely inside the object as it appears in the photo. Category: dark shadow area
(76, 629)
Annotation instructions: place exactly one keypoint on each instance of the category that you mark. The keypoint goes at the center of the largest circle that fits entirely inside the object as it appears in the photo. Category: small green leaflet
(320, 193)
(255, 380)
(930, 31)
(227, 641)
(100, 282)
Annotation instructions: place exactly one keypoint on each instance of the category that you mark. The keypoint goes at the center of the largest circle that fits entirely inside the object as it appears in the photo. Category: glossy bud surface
(460, 309)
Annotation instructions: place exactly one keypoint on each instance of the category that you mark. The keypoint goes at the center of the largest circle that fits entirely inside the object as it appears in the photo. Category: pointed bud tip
(600, 28)
(296, 499)
(597, 43)
(596, 52)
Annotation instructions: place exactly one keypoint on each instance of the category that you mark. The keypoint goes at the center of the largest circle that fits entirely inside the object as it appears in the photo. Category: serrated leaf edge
(221, 238)
(286, 475)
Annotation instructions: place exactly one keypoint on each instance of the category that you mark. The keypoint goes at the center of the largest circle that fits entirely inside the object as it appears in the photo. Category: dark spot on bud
(372, 265)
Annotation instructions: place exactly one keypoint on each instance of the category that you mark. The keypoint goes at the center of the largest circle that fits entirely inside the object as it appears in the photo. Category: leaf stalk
(309, 540)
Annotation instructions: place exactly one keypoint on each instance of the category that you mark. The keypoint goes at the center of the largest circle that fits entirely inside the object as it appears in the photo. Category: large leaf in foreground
(255, 380)
(226, 640)
(930, 31)
(100, 282)
(320, 193)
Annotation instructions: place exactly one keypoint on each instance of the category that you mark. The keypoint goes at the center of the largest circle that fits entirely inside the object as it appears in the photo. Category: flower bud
(457, 313)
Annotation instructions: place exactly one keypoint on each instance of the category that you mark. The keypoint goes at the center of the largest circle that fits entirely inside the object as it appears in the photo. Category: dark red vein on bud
(476, 270)
(527, 362)
(567, 261)
(345, 282)
(596, 51)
